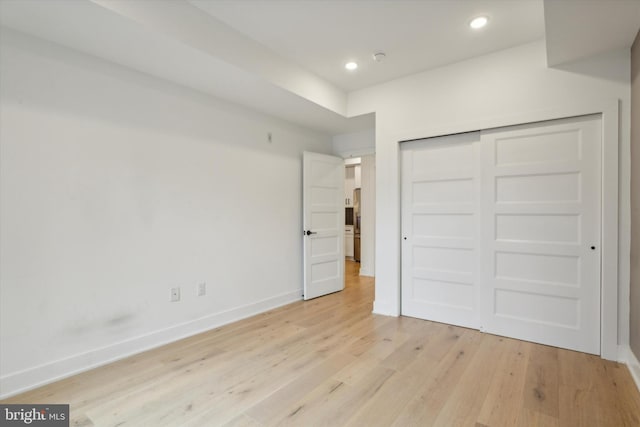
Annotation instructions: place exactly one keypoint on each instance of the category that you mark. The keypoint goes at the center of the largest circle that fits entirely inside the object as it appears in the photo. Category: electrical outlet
(175, 294)
(202, 289)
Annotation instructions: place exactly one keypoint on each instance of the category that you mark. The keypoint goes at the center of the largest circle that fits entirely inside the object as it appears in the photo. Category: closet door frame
(609, 110)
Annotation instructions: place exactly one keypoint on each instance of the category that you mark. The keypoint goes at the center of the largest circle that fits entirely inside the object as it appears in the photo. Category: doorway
(360, 213)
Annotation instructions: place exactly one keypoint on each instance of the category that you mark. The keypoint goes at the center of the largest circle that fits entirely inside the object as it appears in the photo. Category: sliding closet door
(541, 232)
(501, 231)
(440, 229)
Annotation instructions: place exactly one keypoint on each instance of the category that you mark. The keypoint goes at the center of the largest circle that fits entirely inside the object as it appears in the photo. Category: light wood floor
(329, 361)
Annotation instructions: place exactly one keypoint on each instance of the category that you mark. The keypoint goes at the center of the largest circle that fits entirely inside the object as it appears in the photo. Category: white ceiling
(322, 36)
(285, 58)
(595, 27)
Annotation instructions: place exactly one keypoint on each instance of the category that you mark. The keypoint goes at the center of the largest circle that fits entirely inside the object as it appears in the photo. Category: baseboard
(626, 356)
(365, 272)
(384, 308)
(38, 376)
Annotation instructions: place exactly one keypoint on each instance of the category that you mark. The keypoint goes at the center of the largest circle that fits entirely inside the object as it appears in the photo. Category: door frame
(609, 111)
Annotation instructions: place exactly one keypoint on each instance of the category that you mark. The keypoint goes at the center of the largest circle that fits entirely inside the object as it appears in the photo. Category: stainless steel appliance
(356, 224)
(348, 216)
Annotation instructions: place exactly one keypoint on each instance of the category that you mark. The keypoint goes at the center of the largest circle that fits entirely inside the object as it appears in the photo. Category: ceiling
(286, 58)
(322, 36)
(596, 27)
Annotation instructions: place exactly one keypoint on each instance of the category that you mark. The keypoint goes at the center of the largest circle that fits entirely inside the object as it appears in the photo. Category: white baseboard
(37, 376)
(365, 272)
(626, 356)
(384, 308)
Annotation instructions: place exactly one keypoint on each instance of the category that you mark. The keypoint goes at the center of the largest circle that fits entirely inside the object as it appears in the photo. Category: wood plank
(531, 418)
(503, 401)
(424, 408)
(591, 399)
(267, 410)
(243, 420)
(385, 407)
(413, 347)
(334, 401)
(465, 403)
(541, 384)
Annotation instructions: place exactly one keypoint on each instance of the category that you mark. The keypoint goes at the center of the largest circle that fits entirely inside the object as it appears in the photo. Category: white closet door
(440, 229)
(541, 232)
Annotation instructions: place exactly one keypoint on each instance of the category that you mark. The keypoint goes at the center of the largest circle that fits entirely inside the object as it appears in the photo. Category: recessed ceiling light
(479, 22)
(351, 66)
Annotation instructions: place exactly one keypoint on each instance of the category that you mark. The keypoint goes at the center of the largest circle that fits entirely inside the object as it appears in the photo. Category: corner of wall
(634, 282)
(626, 356)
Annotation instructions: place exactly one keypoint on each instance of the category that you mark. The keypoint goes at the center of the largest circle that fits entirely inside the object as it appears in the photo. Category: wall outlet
(175, 294)
(202, 289)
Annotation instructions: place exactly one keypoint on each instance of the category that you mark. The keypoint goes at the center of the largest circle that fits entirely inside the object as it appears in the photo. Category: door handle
(309, 232)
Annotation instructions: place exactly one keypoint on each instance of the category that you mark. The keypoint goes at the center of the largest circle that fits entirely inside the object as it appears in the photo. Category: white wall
(115, 187)
(464, 96)
(368, 220)
(635, 199)
(355, 144)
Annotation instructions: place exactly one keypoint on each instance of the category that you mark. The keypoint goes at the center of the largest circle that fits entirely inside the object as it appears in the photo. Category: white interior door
(502, 231)
(323, 222)
(440, 229)
(541, 205)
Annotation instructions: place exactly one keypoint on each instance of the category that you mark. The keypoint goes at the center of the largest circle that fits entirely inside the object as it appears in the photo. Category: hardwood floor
(330, 361)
